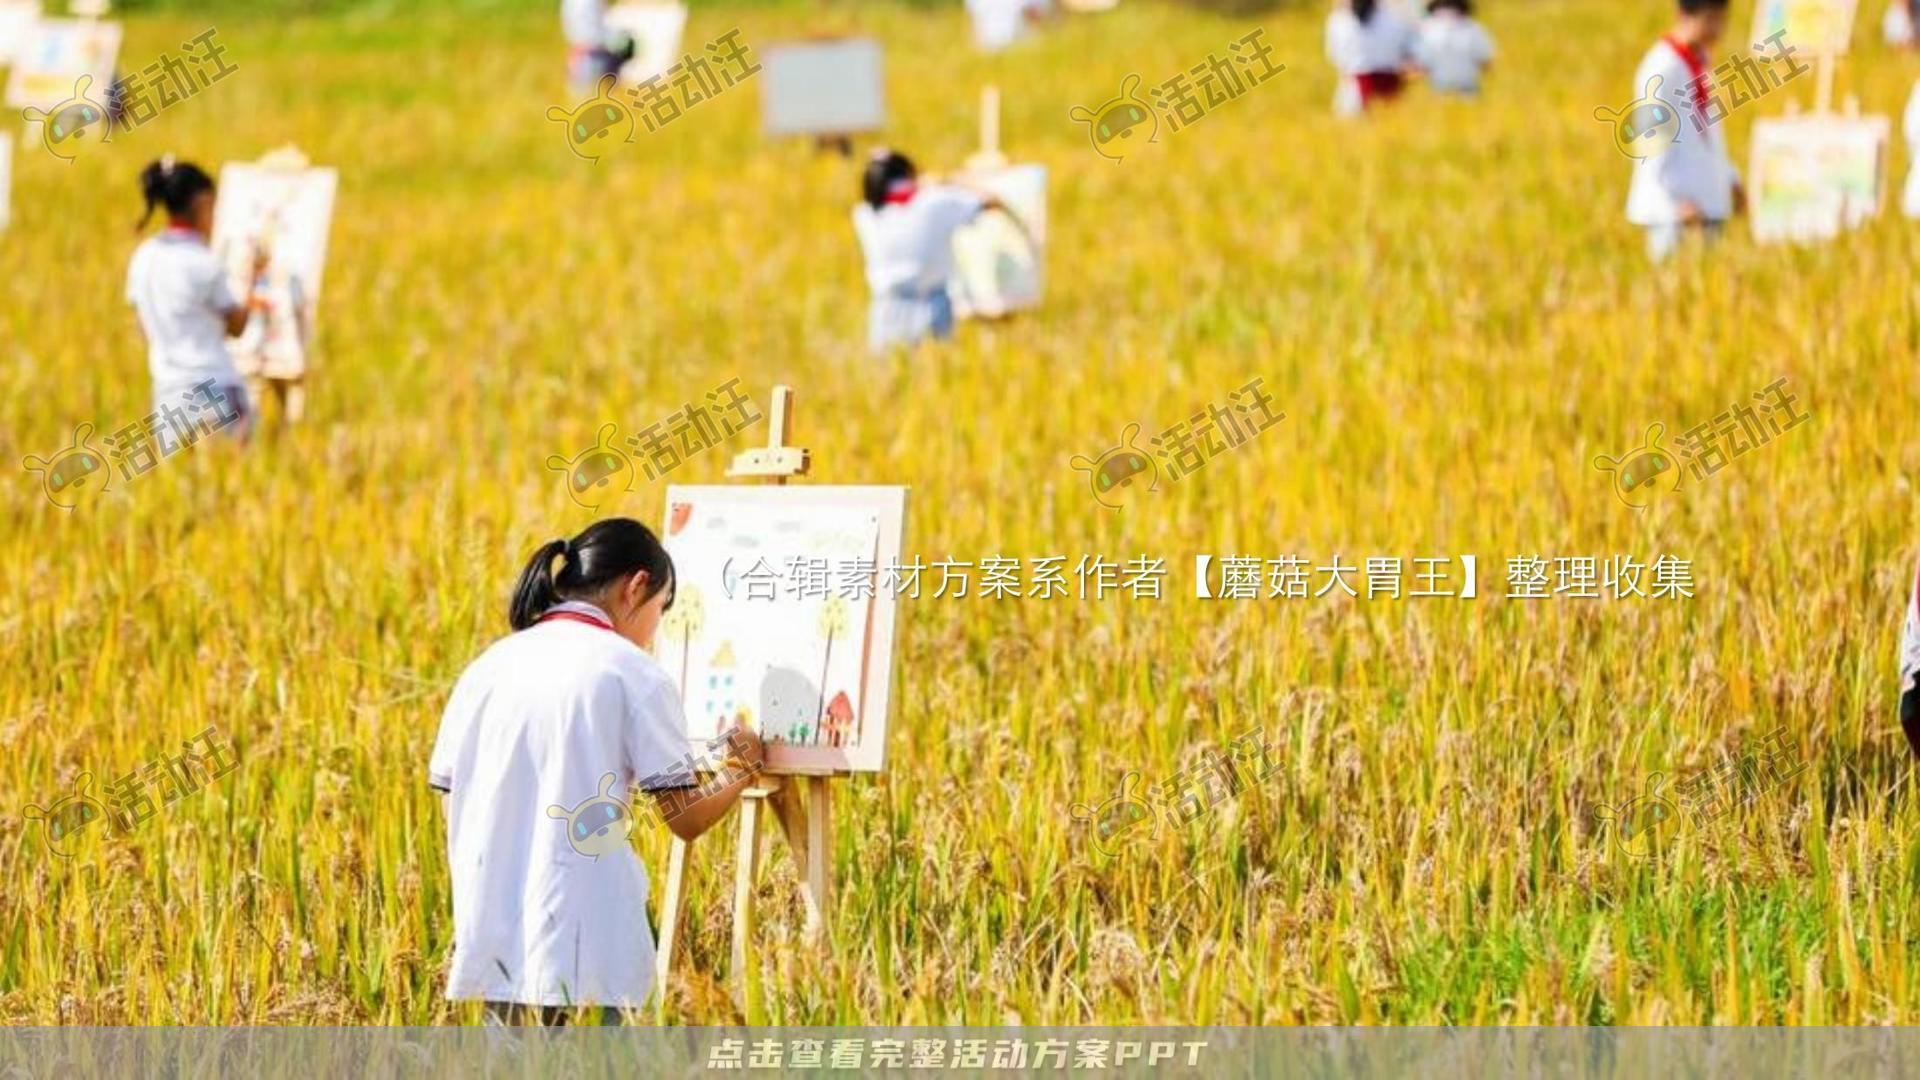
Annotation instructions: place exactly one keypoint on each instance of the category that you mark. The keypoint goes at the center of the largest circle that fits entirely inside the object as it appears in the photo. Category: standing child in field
(1690, 187)
(906, 233)
(179, 289)
(1000, 23)
(543, 733)
(272, 351)
(593, 49)
(1453, 50)
(1371, 47)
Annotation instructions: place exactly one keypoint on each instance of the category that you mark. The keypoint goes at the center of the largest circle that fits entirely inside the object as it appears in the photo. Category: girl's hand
(748, 751)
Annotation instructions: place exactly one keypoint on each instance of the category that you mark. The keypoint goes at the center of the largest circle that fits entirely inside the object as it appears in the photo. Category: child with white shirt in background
(594, 51)
(906, 235)
(1000, 23)
(1452, 49)
(1691, 187)
(1371, 46)
(179, 290)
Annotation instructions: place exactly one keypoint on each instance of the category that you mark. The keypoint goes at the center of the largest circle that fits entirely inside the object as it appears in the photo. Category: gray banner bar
(1440, 1053)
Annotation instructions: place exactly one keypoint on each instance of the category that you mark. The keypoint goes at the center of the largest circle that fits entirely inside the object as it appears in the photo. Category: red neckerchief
(899, 194)
(575, 616)
(1696, 68)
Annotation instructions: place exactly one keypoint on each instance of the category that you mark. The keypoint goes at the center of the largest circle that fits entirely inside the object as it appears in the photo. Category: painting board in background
(1813, 177)
(812, 668)
(829, 87)
(54, 56)
(1812, 26)
(16, 22)
(288, 203)
(997, 268)
(656, 30)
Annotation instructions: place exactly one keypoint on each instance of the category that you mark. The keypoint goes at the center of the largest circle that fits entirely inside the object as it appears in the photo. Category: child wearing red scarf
(1690, 186)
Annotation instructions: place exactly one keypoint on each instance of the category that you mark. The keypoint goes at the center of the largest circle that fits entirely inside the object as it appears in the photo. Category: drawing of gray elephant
(789, 705)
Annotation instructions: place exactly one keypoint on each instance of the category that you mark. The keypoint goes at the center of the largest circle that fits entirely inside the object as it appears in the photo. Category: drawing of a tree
(833, 622)
(687, 617)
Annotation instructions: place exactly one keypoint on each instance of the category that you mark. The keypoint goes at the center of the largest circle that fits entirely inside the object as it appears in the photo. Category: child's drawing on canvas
(779, 618)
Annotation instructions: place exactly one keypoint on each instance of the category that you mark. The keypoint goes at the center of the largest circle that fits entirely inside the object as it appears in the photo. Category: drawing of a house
(839, 719)
(720, 703)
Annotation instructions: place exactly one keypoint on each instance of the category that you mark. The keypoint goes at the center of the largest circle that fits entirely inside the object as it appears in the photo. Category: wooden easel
(808, 826)
(989, 155)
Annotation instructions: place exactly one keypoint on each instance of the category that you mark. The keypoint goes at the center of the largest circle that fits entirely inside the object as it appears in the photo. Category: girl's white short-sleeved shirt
(180, 291)
(537, 721)
(909, 246)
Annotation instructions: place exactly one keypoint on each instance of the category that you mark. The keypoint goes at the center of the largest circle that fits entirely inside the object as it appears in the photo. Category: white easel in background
(808, 826)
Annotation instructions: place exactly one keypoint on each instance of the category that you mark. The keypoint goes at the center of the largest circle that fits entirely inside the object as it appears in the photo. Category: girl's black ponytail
(536, 592)
(172, 184)
(1363, 9)
(605, 552)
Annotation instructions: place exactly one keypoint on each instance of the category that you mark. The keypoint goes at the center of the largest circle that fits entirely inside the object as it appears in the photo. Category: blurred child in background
(1452, 49)
(593, 49)
(906, 233)
(1371, 47)
(1692, 186)
(272, 352)
(1897, 24)
(179, 289)
(999, 23)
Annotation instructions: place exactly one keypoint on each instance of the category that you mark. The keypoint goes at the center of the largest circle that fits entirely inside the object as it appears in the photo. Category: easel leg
(671, 907)
(818, 861)
(745, 868)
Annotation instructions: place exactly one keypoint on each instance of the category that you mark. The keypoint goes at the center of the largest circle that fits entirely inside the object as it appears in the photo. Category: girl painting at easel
(550, 914)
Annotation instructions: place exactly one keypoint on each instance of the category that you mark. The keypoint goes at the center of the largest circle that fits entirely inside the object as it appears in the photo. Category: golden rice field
(1446, 302)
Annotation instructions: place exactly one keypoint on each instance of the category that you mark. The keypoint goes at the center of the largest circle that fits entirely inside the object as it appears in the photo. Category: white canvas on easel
(55, 54)
(831, 87)
(1814, 177)
(656, 30)
(16, 24)
(810, 668)
(287, 204)
(1000, 265)
(998, 268)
